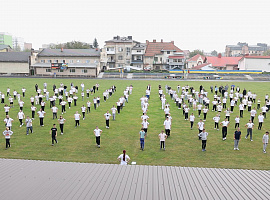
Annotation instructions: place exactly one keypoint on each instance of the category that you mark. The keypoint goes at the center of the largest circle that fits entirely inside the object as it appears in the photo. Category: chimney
(154, 41)
(172, 42)
(161, 40)
(219, 55)
(62, 49)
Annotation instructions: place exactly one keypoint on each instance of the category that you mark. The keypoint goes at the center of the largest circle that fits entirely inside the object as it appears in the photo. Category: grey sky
(206, 25)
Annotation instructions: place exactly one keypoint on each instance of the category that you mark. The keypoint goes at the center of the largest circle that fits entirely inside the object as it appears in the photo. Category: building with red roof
(255, 63)
(195, 61)
(223, 63)
(163, 56)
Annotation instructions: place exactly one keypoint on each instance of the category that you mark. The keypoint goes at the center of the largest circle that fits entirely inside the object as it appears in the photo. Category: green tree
(214, 53)
(195, 52)
(95, 43)
(267, 53)
(71, 45)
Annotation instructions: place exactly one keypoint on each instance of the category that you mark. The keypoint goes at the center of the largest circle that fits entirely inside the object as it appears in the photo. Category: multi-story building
(242, 49)
(118, 51)
(6, 39)
(163, 56)
(66, 62)
(137, 54)
(27, 46)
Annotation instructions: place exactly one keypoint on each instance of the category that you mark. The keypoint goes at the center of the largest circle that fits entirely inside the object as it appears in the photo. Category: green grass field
(182, 149)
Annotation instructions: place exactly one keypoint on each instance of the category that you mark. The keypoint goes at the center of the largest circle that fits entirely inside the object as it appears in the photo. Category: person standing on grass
(107, 116)
(21, 116)
(54, 111)
(191, 119)
(97, 133)
(205, 110)
(53, 132)
(83, 108)
(249, 127)
(6, 108)
(21, 104)
(95, 103)
(216, 120)
(113, 109)
(118, 104)
(41, 115)
(28, 123)
(124, 158)
(167, 126)
(43, 103)
(260, 119)
(8, 122)
(253, 113)
(11, 101)
(145, 125)
(88, 106)
(237, 138)
(70, 99)
(225, 125)
(265, 140)
(63, 104)
(203, 136)
(23, 91)
(77, 117)
(75, 98)
(200, 127)
(61, 121)
(142, 138)
(162, 137)
(237, 122)
(7, 133)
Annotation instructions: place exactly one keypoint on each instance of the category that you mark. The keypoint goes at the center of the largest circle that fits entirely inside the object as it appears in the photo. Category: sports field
(182, 149)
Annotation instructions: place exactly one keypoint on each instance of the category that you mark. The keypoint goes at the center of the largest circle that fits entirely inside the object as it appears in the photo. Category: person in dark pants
(237, 138)
(142, 138)
(162, 137)
(36, 87)
(7, 133)
(94, 88)
(53, 132)
(225, 125)
(97, 133)
(249, 127)
(203, 135)
(61, 123)
(107, 116)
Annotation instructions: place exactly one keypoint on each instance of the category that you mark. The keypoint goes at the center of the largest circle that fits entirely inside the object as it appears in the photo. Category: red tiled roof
(155, 48)
(195, 58)
(256, 57)
(176, 57)
(223, 61)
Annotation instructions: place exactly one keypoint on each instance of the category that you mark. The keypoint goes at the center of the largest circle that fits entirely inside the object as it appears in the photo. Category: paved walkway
(32, 180)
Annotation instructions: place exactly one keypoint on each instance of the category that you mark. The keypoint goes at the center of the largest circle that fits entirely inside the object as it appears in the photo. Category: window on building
(139, 58)
(128, 61)
(84, 70)
(168, 52)
(55, 61)
(120, 65)
(49, 61)
(174, 60)
(120, 49)
(87, 61)
(160, 59)
(70, 61)
(179, 60)
(72, 70)
(78, 61)
(110, 48)
(120, 57)
(156, 59)
(48, 70)
(60, 70)
(64, 61)
(127, 49)
(139, 51)
(42, 61)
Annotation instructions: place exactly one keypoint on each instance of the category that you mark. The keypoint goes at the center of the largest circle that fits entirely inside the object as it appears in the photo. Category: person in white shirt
(113, 109)
(216, 120)
(7, 133)
(41, 115)
(237, 122)
(225, 125)
(28, 123)
(61, 121)
(63, 104)
(70, 99)
(21, 104)
(205, 110)
(23, 91)
(95, 102)
(203, 136)
(20, 116)
(83, 108)
(166, 111)
(123, 158)
(77, 117)
(191, 119)
(260, 119)
(249, 127)
(162, 137)
(11, 101)
(107, 116)
(8, 122)
(145, 125)
(32, 100)
(167, 126)
(88, 106)
(6, 108)
(82, 85)
(54, 111)
(253, 113)
(264, 110)
(186, 109)
(199, 107)
(43, 103)
(97, 133)
(227, 114)
(265, 140)
(241, 109)
(75, 98)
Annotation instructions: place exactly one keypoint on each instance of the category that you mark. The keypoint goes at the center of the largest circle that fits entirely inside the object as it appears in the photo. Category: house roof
(195, 58)
(201, 66)
(176, 57)
(223, 61)
(28, 179)
(69, 52)
(118, 39)
(156, 48)
(3, 46)
(14, 56)
(256, 57)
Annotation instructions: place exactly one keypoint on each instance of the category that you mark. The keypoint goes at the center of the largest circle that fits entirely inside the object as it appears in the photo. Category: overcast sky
(207, 25)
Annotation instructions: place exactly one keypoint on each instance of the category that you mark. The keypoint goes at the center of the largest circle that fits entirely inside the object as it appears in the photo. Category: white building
(255, 63)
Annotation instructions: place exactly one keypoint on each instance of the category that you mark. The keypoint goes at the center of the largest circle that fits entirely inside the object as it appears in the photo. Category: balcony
(176, 63)
(136, 61)
(111, 61)
(110, 52)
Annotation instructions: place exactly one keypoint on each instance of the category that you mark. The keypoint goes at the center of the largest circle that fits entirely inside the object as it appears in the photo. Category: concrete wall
(255, 64)
(9, 67)
(78, 72)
